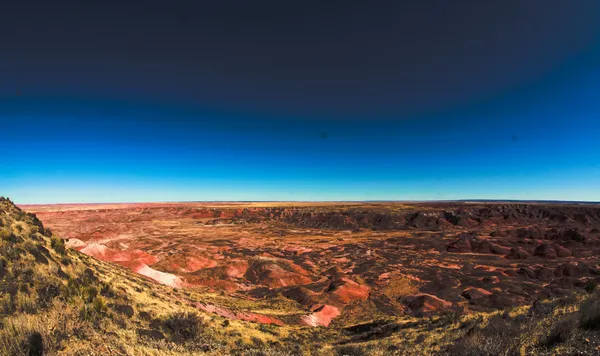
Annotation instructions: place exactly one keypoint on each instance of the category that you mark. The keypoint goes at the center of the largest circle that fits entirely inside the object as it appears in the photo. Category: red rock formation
(273, 272)
(321, 316)
(475, 293)
(345, 290)
(423, 304)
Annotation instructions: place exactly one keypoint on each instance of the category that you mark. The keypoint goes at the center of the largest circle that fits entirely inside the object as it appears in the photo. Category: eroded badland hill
(301, 278)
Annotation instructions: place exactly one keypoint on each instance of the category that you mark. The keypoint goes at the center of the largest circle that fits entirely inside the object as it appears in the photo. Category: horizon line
(327, 201)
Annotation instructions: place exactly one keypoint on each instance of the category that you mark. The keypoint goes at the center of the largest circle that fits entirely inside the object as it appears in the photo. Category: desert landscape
(348, 268)
(349, 178)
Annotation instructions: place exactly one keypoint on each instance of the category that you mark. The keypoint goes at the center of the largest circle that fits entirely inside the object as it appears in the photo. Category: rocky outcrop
(274, 272)
(423, 304)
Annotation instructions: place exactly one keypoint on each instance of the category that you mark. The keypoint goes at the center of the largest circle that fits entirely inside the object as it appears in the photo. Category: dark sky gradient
(239, 100)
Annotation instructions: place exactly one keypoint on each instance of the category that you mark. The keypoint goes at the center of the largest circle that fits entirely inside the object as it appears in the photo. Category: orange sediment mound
(321, 316)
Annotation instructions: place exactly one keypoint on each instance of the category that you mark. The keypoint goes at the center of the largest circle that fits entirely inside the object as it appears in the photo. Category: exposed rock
(490, 279)
(463, 244)
(475, 293)
(422, 304)
(517, 253)
(545, 251)
(490, 247)
(276, 272)
(321, 316)
(345, 290)
(302, 295)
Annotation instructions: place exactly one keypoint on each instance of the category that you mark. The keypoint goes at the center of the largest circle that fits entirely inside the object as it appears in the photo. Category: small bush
(107, 291)
(7, 305)
(23, 336)
(590, 312)
(183, 326)
(5, 234)
(591, 286)
(9, 236)
(47, 290)
(560, 331)
(33, 233)
(99, 305)
(499, 337)
(75, 289)
(269, 329)
(58, 245)
(94, 310)
(35, 344)
(26, 303)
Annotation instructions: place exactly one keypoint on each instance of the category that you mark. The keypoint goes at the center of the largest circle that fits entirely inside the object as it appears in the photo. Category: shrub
(23, 336)
(94, 310)
(9, 236)
(35, 344)
(5, 234)
(269, 329)
(27, 303)
(590, 312)
(499, 337)
(107, 290)
(58, 245)
(75, 289)
(591, 286)
(560, 331)
(47, 290)
(183, 326)
(7, 305)
(99, 305)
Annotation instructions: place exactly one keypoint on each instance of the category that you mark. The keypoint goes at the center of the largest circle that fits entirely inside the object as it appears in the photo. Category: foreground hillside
(57, 300)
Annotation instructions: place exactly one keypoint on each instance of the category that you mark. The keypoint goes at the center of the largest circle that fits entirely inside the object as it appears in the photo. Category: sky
(270, 100)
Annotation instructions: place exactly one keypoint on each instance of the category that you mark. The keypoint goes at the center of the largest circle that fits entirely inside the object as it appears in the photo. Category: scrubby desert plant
(58, 245)
(560, 331)
(25, 335)
(591, 286)
(94, 310)
(9, 236)
(590, 312)
(500, 336)
(26, 303)
(183, 326)
(7, 305)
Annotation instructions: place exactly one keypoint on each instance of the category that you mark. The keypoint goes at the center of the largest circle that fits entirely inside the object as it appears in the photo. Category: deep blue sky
(265, 101)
